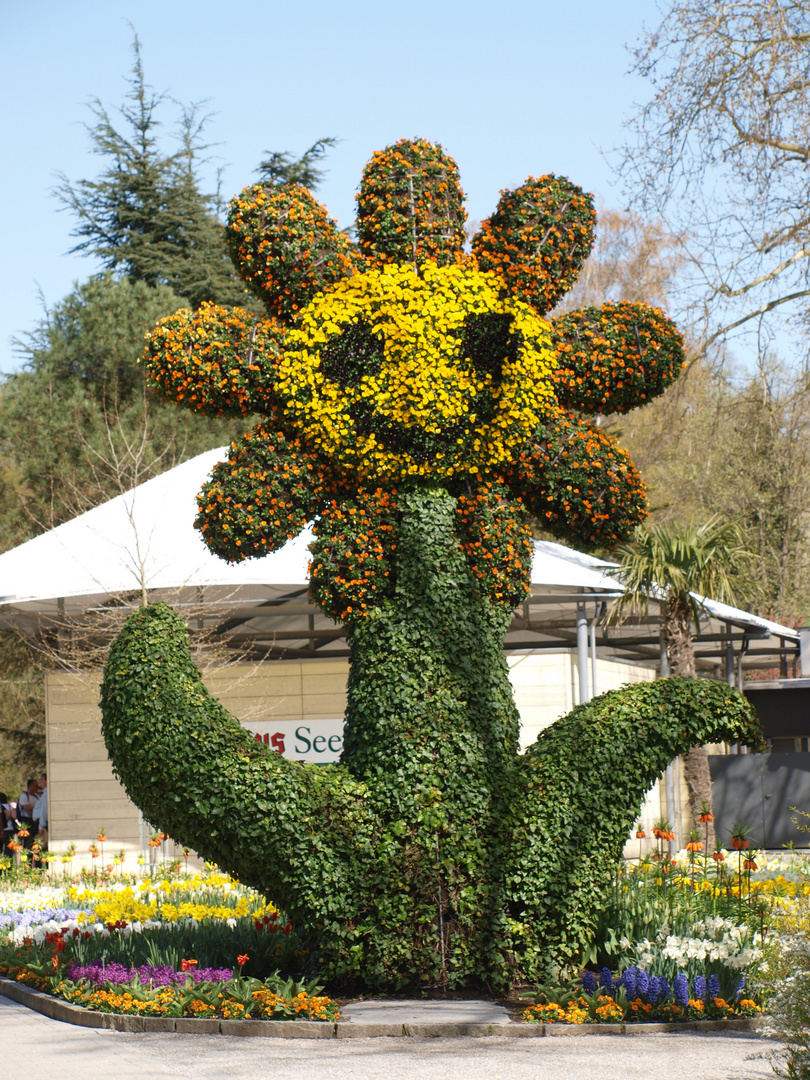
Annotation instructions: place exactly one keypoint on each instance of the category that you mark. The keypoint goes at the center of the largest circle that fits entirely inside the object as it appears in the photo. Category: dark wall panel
(784, 712)
(761, 789)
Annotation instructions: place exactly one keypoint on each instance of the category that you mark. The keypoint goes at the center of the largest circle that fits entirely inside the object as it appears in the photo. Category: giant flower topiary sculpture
(418, 407)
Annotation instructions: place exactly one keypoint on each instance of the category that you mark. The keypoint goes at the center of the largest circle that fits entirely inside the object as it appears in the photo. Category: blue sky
(511, 88)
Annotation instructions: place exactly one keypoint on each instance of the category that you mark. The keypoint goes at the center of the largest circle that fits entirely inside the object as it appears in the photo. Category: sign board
(319, 741)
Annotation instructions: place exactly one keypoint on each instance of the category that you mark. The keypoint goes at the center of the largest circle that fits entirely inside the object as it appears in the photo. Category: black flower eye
(354, 353)
(488, 340)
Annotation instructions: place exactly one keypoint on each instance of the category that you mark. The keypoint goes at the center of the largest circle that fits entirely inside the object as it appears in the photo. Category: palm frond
(706, 561)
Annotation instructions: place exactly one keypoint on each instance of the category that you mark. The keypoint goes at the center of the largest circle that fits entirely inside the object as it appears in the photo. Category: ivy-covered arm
(296, 832)
(559, 846)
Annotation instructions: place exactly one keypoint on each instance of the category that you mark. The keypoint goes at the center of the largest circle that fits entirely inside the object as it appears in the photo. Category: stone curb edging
(55, 1009)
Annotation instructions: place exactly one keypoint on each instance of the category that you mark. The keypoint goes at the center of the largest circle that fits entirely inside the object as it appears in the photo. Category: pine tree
(282, 168)
(145, 216)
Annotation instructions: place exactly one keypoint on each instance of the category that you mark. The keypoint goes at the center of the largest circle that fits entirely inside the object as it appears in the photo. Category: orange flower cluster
(286, 247)
(269, 1006)
(265, 493)
(616, 357)
(538, 239)
(215, 360)
(351, 569)
(497, 542)
(580, 484)
(410, 206)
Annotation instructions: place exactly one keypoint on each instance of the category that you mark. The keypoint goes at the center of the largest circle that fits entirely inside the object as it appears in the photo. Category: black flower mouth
(398, 438)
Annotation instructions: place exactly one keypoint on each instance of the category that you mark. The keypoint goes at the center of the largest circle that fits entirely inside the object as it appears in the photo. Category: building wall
(84, 794)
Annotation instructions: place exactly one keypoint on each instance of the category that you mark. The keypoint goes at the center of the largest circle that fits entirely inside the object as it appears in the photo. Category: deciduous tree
(721, 148)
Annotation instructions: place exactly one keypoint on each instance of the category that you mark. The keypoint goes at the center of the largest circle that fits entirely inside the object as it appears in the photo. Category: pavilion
(279, 664)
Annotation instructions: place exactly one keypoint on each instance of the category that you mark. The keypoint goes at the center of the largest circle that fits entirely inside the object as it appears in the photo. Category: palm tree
(682, 567)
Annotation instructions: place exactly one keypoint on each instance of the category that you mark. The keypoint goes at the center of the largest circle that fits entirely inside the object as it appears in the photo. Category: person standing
(40, 814)
(26, 804)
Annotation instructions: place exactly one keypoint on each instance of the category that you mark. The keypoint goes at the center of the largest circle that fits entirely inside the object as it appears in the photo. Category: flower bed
(192, 946)
(637, 997)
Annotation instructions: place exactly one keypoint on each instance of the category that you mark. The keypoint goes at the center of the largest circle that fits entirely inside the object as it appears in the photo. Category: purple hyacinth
(629, 981)
(740, 988)
(589, 982)
(97, 974)
(680, 987)
(643, 984)
(606, 981)
(699, 988)
(714, 986)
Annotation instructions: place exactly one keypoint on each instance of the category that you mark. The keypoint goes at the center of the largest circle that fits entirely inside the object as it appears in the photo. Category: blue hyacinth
(714, 986)
(740, 988)
(664, 989)
(699, 988)
(653, 990)
(606, 981)
(589, 982)
(643, 984)
(681, 989)
(629, 982)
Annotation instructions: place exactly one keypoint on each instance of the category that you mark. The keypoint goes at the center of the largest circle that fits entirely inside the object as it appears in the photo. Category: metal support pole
(669, 775)
(730, 679)
(663, 658)
(594, 691)
(672, 814)
(804, 650)
(582, 653)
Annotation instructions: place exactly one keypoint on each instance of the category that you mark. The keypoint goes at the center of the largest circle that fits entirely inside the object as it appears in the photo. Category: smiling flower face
(401, 361)
(396, 374)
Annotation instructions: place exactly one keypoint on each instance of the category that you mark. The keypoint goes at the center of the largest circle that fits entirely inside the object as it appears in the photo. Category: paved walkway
(73, 1053)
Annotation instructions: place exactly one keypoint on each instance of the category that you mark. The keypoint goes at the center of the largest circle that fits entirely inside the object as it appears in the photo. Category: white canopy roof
(145, 539)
